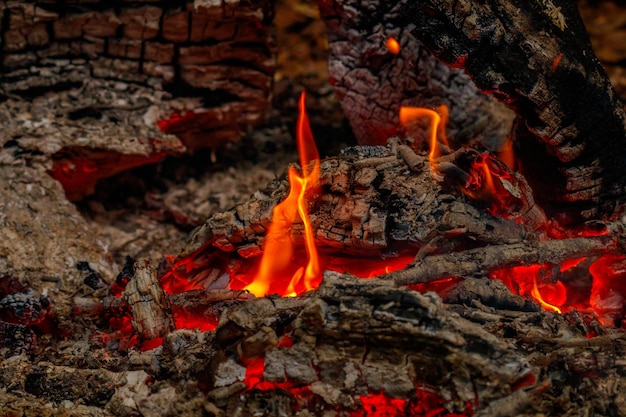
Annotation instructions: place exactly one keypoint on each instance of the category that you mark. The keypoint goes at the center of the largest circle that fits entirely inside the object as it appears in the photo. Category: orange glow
(506, 153)
(393, 45)
(537, 296)
(279, 247)
(437, 126)
(556, 62)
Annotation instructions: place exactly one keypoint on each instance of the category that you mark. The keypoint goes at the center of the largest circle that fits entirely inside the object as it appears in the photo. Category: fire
(393, 45)
(438, 119)
(279, 248)
(537, 296)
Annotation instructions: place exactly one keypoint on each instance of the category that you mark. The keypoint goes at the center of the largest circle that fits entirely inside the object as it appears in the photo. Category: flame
(537, 296)
(506, 153)
(279, 249)
(437, 126)
(393, 45)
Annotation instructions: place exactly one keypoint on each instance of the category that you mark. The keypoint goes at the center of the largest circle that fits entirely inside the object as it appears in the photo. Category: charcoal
(16, 339)
(91, 277)
(26, 308)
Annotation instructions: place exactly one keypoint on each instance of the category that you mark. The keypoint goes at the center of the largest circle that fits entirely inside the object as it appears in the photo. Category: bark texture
(104, 88)
(536, 57)
(372, 83)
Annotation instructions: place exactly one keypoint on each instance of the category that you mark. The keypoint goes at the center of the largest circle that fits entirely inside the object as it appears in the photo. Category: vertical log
(152, 317)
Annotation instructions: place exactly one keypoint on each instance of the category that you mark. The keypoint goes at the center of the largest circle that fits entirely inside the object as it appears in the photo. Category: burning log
(536, 57)
(101, 89)
(372, 81)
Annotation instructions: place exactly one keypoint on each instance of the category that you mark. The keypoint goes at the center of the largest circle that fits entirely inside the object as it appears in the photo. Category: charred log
(101, 88)
(372, 83)
(536, 57)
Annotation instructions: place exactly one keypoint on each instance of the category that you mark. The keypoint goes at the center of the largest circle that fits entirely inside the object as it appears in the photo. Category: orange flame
(279, 248)
(559, 292)
(393, 45)
(438, 119)
(506, 153)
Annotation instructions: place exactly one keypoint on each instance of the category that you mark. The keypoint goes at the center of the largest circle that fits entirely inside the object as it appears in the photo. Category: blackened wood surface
(372, 83)
(535, 56)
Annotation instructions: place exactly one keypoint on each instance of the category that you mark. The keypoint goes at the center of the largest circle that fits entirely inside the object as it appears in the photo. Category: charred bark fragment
(536, 57)
(372, 83)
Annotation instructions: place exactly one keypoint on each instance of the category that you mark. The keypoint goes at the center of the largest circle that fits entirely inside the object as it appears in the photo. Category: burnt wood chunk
(104, 88)
(371, 82)
(536, 57)
(152, 317)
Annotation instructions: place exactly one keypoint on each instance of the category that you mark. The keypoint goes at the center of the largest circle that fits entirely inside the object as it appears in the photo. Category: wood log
(371, 82)
(101, 88)
(536, 57)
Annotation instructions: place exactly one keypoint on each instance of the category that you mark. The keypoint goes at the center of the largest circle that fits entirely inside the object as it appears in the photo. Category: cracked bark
(536, 57)
(372, 83)
(101, 89)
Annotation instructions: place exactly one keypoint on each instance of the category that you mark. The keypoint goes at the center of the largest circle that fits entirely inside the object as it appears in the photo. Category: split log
(536, 57)
(372, 83)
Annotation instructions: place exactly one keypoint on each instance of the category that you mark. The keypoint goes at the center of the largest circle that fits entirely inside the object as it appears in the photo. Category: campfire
(171, 250)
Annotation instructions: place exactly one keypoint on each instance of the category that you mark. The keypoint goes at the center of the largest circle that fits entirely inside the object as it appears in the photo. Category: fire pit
(171, 250)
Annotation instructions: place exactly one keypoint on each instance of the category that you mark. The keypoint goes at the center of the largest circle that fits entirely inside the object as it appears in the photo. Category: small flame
(537, 296)
(393, 45)
(506, 153)
(437, 126)
(279, 249)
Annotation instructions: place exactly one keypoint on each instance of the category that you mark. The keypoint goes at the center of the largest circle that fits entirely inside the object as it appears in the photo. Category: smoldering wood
(370, 201)
(372, 83)
(478, 261)
(90, 81)
(536, 57)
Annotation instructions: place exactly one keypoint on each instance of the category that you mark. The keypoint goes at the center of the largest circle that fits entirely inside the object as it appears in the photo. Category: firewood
(477, 261)
(367, 206)
(536, 57)
(372, 82)
(102, 89)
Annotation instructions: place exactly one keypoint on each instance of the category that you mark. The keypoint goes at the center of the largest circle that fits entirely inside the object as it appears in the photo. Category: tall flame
(279, 248)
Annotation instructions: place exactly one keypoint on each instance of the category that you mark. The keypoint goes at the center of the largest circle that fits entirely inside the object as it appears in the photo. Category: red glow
(167, 125)
(200, 322)
(426, 403)
(151, 344)
(609, 287)
(528, 281)
(365, 268)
